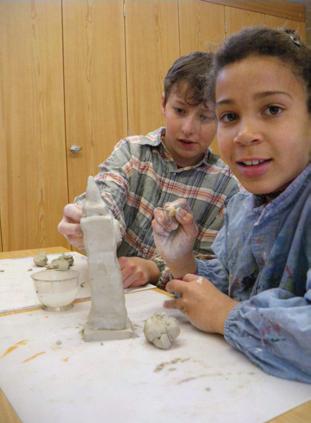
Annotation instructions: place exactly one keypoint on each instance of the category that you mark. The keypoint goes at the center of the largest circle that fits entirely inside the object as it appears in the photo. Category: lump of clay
(60, 263)
(161, 330)
(69, 258)
(171, 209)
(40, 260)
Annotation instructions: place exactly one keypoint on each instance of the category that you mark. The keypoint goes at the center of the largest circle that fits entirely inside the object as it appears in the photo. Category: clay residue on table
(14, 347)
(161, 366)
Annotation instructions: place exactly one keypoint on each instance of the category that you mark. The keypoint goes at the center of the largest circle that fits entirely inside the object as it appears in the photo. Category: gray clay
(161, 330)
(59, 263)
(107, 318)
(40, 260)
(171, 209)
(69, 258)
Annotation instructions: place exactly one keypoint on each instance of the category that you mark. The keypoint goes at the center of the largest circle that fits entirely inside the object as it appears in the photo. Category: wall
(86, 73)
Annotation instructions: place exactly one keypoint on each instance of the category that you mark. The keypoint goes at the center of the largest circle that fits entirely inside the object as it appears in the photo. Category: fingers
(69, 226)
(185, 218)
(132, 274)
(194, 278)
(176, 287)
(69, 229)
(72, 213)
(163, 222)
(176, 304)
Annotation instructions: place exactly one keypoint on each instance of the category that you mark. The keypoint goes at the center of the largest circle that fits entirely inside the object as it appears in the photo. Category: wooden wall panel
(95, 84)
(33, 178)
(201, 25)
(288, 9)
(152, 44)
(236, 19)
(274, 22)
(1, 246)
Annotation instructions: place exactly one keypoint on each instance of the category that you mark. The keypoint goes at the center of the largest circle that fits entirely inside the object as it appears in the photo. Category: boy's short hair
(192, 69)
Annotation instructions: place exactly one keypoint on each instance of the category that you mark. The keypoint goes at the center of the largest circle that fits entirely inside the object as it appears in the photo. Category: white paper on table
(50, 374)
(16, 285)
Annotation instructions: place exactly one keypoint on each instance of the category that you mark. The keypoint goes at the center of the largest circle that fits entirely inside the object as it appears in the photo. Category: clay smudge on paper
(34, 356)
(189, 379)
(14, 347)
(161, 366)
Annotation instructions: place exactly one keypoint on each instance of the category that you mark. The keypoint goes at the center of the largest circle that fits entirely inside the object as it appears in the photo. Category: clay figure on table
(257, 291)
(167, 164)
(108, 315)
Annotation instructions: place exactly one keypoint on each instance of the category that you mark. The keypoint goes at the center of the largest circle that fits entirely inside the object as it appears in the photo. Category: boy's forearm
(153, 271)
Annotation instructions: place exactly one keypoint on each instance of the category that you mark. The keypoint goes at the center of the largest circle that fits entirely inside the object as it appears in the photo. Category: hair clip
(294, 39)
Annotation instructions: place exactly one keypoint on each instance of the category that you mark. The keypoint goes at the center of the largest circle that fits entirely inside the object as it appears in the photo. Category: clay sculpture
(107, 318)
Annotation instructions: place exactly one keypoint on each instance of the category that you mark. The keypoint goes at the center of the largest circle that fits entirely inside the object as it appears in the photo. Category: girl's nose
(247, 135)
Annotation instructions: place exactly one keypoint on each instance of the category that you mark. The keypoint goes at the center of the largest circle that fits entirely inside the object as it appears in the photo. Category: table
(300, 414)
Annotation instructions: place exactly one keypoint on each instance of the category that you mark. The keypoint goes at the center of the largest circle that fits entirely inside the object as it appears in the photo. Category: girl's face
(264, 128)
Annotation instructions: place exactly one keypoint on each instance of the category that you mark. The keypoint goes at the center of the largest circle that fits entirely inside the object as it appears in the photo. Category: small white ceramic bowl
(56, 289)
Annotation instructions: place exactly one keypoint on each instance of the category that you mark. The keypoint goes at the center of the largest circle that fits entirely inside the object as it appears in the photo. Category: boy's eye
(273, 110)
(227, 117)
(179, 110)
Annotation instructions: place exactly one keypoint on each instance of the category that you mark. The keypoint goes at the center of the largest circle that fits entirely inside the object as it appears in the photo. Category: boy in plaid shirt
(173, 162)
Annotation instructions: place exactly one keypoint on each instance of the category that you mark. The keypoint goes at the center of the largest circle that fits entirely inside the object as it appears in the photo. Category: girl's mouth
(253, 167)
(253, 162)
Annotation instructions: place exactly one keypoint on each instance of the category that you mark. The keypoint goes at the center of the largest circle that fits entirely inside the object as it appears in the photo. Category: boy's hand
(69, 226)
(206, 307)
(175, 242)
(137, 271)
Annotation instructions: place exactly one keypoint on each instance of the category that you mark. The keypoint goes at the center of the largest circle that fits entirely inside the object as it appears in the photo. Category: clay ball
(161, 330)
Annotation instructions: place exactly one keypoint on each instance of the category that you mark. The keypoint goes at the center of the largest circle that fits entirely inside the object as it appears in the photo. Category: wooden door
(152, 45)
(33, 177)
(95, 84)
(201, 27)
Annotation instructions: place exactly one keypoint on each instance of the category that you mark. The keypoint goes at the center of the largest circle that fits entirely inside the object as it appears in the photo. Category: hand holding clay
(169, 220)
(206, 307)
(161, 330)
(69, 226)
(175, 245)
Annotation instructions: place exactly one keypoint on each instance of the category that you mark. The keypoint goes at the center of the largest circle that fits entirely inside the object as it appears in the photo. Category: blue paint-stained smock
(264, 261)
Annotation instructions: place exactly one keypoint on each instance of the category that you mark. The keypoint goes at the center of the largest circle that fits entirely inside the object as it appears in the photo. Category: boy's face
(264, 128)
(189, 129)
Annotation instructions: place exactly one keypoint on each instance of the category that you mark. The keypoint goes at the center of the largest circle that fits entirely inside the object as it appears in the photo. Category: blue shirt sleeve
(273, 329)
(215, 270)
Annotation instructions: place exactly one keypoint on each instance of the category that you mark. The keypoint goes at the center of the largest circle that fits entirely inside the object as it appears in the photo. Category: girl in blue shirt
(257, 292)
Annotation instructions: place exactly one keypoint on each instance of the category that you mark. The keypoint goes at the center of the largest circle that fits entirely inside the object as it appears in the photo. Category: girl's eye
(273, 110)
(228, 117)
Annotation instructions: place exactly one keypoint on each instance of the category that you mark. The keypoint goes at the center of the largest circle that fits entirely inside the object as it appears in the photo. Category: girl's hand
(206, 307)
(174, 239)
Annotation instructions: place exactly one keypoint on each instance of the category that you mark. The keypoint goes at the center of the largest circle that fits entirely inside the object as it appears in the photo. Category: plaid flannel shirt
(140, 175)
